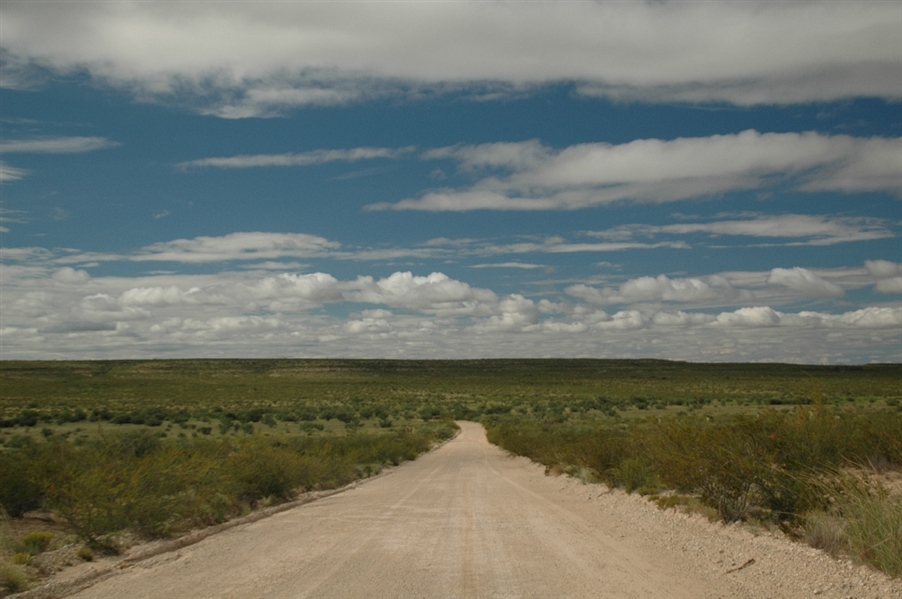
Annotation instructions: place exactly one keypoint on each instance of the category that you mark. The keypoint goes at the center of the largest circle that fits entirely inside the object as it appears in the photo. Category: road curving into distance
(466, 520)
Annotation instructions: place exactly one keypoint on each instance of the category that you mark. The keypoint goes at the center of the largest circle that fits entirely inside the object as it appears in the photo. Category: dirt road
(469, 521)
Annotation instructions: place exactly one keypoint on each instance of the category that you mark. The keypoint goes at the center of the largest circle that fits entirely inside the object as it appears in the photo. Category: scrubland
(121, 450)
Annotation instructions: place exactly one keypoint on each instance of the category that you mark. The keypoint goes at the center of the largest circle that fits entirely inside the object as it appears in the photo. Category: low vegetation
(809, 471)
(155, 488)
(132, 449)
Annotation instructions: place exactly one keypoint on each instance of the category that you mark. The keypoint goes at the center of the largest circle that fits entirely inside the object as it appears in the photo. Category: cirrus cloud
(302, 159)
(55, 145)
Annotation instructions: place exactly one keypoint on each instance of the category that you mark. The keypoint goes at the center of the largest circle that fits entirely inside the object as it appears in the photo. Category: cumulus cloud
(70, 276)
(244, 59)
(515, 313)
(302, 159)
(713, 289)
(657, 171)
(242, 324)
(158, 296)
(286, 289)
(873, 317)
(436, 293)
(804, 282)
(882, 269)
(63, 312)
(679, 318)
(888, 275)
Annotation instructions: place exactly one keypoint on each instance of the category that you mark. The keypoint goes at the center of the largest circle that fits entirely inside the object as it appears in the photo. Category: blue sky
(691, 181)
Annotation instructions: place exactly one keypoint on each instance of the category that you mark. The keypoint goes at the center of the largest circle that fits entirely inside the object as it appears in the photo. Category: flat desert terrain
(468, 520)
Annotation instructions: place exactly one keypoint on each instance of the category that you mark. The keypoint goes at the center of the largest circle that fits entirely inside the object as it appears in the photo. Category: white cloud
(158, 296)
(302, 159)
(888, 275)
(874, 166)
(285, 289)
(681, 319)
(70, 276)
(881, 269)
(25, 254)
(566, 248)
(243, 324)
(714, 289)
(369, 325)
(890, 285)
(657, 171)
(517, 156)
(56, 313)
(55, 145)
(270, 98)
(11, 173)
(515, 314)
(235, 246)
(252, 59)
(804, 281)
(809, 229)
(520, 265)
(759, 316)
(436, 293)
(873, 317)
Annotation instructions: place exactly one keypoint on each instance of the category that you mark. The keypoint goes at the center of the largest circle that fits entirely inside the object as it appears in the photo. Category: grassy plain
(159, 446)
(58, 393)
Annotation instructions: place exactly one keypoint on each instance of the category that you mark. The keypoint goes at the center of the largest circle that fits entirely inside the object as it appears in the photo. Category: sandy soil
(467, 520)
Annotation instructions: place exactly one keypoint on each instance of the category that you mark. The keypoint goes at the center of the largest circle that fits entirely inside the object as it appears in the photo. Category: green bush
(873, 517)
(12, 578)
(744, 467)
(85, 554)
(20, 492)
(636, 474)
(157, 488)
(37, 542)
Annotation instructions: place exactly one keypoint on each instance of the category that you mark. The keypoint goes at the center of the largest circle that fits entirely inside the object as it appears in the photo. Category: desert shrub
(157, 488)
(261, 470)
(873, 518)
(19, 492)
(751, 466)
(133, 444)
(823, 530)
(12, 577)
(636, 474)
(732, 467)
(37, 542)
(22, 558)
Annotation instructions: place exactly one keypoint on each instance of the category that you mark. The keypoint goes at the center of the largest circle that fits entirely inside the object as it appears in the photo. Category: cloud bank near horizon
(290, 313)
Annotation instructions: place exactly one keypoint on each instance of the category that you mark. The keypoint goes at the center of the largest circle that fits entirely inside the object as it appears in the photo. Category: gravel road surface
(468, 520)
